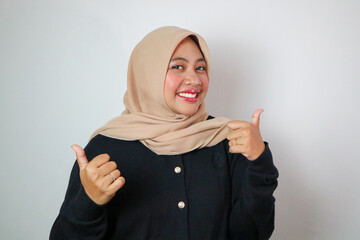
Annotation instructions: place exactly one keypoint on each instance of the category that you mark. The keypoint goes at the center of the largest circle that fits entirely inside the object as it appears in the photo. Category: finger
(236, 141)
(99, 160)
(242, 132)
(255, 121)
(107, 168)
(108, 180)
(232, 125)
(233, 142)
(80, 156)
(115, 186)
(236, 149)
(238, 133)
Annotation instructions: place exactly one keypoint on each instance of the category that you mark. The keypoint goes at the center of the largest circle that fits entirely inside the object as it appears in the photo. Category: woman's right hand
(96, 176)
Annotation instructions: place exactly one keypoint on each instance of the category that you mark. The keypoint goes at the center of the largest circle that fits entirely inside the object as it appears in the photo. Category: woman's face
(186, 81)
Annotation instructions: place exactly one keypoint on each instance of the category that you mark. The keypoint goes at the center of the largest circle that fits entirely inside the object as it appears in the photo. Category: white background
(63, 74)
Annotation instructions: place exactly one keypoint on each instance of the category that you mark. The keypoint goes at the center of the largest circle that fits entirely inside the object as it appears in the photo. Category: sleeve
(252, 203)
(80, 218)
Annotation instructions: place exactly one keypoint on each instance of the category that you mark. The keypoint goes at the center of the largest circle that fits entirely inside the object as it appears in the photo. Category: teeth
(187, 95)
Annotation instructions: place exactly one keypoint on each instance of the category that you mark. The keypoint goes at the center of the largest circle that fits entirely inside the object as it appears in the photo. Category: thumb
(255, 121)
(80, 155)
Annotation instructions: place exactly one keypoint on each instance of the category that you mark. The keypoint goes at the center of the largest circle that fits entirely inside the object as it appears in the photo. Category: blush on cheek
(205, 83)
(172, 83)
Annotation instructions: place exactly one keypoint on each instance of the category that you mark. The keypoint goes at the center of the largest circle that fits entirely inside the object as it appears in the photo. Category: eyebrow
(185, 60)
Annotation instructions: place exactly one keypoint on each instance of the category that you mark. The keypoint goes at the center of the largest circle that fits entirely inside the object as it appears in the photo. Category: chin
(188, 112)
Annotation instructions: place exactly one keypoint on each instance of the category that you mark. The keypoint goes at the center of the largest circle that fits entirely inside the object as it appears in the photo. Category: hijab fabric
(147, 117)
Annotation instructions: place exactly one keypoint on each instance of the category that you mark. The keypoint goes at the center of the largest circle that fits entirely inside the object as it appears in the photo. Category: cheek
(205, 83)
(172, 82)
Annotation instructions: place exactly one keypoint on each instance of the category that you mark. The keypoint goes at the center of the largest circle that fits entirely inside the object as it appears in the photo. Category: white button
(177, 169)
(181, 204)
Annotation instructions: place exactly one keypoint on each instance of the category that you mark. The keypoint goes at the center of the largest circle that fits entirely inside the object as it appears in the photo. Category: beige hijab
(147, 117)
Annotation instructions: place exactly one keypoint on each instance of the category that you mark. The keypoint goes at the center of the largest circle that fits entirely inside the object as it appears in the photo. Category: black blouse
(207, 193)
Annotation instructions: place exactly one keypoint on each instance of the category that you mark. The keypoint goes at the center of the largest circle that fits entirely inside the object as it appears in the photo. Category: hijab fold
(147, 117)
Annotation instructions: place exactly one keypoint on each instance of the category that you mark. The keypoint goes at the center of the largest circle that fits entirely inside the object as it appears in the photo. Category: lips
(190, 95)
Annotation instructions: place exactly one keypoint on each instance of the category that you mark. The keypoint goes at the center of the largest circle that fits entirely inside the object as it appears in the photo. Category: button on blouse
(177, 169)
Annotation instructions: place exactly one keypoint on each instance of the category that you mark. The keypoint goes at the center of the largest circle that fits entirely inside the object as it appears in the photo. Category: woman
(188, 175)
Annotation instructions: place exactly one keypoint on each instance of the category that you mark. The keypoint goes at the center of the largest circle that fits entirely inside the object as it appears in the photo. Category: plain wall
(63, 74)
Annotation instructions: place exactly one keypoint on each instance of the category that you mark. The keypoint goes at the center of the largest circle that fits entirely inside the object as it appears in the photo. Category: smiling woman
(180, 164)
(186, 81)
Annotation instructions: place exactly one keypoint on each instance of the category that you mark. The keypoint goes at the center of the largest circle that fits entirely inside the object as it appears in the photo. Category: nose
(192, 79)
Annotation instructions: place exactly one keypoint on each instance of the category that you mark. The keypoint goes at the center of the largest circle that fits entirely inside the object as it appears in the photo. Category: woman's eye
(201, 68)
(177, 67)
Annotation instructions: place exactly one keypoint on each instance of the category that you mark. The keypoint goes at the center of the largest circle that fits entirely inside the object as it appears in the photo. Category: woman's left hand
(245, 138)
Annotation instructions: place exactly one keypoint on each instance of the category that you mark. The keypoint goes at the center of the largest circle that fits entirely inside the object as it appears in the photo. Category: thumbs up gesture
(245, 138)
(100, 177)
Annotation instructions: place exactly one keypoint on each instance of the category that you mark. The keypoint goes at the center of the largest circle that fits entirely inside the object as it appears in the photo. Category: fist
(100, 178)
(245, 138)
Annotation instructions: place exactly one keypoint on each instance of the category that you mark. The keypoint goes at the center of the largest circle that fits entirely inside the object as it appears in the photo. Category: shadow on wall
(237, 73)
(234, 79)
(298, 203)
(224, 87)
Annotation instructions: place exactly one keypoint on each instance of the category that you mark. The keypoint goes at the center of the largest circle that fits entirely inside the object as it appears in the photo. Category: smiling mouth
(190, 97)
